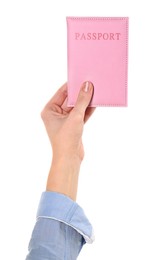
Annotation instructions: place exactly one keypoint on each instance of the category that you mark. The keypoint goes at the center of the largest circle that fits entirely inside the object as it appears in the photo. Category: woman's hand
(64, 126)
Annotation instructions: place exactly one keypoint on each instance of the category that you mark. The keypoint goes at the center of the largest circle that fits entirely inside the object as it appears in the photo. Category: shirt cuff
(59, 207)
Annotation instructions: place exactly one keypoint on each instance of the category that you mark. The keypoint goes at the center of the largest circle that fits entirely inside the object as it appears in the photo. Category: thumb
(84, 97)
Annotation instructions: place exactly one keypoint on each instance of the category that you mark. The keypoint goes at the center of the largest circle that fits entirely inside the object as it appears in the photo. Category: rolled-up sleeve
(61, 229)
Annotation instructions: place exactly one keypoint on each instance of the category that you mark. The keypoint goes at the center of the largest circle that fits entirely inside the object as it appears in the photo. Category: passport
(97, 51)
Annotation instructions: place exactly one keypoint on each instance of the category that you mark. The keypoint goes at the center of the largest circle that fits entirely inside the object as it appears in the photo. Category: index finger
(59, 97)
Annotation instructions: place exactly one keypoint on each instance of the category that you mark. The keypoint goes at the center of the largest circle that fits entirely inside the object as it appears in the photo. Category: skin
(64, 126)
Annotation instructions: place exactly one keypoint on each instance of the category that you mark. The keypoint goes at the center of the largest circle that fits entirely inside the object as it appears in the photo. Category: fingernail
(87, 86)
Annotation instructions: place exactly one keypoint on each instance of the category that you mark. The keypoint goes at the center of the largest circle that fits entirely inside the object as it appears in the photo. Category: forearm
(63, 176)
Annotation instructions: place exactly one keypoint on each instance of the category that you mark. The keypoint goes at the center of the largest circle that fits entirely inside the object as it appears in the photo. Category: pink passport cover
(97, 49)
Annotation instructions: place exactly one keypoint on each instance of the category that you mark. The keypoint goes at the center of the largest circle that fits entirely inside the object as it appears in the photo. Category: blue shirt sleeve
(61, 229)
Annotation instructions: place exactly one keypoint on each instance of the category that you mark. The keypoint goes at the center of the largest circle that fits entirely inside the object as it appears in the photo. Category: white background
(121, 177)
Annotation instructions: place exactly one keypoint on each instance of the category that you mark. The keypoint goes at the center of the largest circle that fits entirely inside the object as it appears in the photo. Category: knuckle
(43, 114)
(78, 114)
